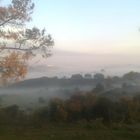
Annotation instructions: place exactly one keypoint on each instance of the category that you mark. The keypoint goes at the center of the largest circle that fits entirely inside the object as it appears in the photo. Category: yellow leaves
(13, 18)
(13, 36)
(3, 10)
(14, 67)
(9, 33)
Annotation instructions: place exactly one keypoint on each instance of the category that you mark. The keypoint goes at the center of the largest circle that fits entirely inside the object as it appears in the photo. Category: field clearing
(70, 132)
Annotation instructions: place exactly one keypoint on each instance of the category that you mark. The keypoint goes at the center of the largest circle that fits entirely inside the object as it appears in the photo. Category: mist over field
(66, 63)
(37, 92)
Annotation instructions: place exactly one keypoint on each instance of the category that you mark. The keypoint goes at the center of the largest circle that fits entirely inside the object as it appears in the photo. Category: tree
(99, 88)
(17, 43)
(99, 77)
(57, 110)
(131, 76)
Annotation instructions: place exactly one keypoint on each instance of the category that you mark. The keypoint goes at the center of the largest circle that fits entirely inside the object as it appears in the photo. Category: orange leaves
(2, 10)
(14, 67)
(10, 36)
(13, 18)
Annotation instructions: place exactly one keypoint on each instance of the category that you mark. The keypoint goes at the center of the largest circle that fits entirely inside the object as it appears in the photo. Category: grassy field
(70, 132)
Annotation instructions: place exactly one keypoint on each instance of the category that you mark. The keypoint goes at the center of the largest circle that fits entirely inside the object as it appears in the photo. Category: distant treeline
(130, 78)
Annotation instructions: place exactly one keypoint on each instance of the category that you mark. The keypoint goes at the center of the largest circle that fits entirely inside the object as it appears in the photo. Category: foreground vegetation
(83, 116)
(82, 131)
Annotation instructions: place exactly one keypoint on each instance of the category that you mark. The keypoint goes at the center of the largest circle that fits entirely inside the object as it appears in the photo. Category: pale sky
(91, 26)
(89, 35)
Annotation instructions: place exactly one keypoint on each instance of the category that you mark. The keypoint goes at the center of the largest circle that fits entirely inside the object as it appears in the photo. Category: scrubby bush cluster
(80, 107)
(88, 107)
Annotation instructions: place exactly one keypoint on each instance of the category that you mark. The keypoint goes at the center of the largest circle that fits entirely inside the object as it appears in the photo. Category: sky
(91, 26)
(89, 35)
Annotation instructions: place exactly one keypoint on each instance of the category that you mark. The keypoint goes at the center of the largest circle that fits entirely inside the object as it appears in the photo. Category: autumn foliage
(18, 43)
(15, 67)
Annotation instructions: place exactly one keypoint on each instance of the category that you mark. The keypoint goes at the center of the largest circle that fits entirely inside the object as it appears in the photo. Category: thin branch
(19, 49)
(6, 21)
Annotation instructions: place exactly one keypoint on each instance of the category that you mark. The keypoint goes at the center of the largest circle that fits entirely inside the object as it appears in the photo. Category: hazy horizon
(89, 35)
(66, 63)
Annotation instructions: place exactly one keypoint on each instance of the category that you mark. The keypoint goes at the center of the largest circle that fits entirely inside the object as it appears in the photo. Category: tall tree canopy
(17, 43)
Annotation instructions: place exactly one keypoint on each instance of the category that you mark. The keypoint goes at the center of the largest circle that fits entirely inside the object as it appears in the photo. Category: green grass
(69, 132)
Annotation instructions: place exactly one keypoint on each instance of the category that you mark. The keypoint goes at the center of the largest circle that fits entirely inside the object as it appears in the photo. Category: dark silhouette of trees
(80, 107)
(99, 77)
(99, 88)
(77, 76)
(131, 76)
